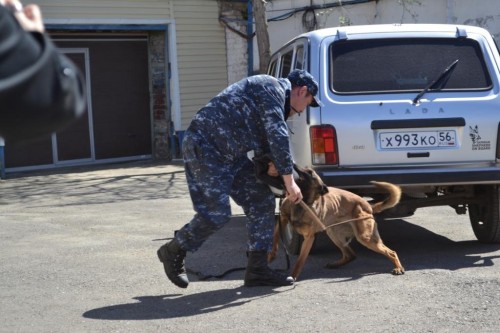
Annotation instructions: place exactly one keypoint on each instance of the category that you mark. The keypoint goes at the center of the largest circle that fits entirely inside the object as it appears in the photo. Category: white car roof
(395, 29)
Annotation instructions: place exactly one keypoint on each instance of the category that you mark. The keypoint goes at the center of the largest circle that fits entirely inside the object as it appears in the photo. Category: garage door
(117, 124)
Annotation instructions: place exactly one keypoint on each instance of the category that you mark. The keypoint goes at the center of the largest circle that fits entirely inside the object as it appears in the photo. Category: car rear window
(397, 65)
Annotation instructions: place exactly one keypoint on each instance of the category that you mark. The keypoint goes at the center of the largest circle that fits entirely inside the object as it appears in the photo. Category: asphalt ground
(79, 255)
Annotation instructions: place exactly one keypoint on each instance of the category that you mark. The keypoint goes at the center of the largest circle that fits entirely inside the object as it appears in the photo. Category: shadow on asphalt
(86, 188)
(177, 305)
(118, 167)
(417, 247)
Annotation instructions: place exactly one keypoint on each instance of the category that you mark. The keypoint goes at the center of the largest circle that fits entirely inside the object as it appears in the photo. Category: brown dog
(342, 214)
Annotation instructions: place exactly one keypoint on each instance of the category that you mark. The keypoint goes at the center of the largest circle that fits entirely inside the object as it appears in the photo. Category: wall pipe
(250, 40)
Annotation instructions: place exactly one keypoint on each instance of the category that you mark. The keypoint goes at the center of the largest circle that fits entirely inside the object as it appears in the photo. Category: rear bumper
(357, 178)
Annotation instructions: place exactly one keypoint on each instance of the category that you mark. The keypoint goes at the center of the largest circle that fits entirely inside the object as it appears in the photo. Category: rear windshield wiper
(444, 74)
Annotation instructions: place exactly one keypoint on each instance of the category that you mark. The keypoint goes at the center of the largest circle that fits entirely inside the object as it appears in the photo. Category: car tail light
(324, 145)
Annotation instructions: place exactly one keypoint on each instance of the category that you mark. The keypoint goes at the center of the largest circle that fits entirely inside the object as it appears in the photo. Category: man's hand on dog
(292, 190)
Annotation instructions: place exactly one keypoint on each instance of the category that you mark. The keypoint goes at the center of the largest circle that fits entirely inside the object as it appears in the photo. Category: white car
(416, 105)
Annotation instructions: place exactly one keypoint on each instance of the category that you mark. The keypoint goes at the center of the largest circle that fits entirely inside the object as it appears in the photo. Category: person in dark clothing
(40, 89)
(249, 115)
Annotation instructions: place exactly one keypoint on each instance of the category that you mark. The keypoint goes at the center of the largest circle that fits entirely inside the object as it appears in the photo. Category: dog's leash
(313, 215)
(320, 223)
(203, 277)
(287, 255)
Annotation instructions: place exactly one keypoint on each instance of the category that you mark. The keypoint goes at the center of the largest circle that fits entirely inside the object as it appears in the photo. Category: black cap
(300, 78)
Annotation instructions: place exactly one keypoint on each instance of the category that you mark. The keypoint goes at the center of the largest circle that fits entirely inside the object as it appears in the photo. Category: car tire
(485, 217)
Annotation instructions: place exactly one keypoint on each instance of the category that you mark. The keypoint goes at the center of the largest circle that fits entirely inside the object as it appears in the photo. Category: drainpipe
(450, 11)
(250, 40)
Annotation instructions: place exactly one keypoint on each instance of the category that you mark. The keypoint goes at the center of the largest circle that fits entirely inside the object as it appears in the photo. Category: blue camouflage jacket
(249, 115)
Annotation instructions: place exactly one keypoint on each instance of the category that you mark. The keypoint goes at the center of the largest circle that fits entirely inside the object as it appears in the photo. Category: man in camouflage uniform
(248, 115)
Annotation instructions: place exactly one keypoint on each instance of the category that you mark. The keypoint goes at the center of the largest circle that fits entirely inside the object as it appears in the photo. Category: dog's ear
(302, 172)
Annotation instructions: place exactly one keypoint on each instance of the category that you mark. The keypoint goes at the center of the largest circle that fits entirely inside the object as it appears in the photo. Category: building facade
(143, 61)
(150, 65)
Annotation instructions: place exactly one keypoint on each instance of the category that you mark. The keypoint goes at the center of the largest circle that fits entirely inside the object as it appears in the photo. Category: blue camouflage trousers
(212, 180)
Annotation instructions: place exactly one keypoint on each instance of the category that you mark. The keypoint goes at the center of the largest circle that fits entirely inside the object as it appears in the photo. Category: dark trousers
(212, 179)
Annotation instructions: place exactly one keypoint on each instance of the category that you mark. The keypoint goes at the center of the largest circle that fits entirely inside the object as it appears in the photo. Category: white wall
(483, 13)
(201, 54)
(237, 55)
(109, 9)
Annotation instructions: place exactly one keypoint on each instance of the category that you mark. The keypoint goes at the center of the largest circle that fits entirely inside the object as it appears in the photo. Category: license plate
(418, 139)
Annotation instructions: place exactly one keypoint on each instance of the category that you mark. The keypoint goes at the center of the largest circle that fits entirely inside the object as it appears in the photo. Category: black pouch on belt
(275, 183)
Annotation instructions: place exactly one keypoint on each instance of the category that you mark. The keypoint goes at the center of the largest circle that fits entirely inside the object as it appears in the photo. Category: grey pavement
(79, 255)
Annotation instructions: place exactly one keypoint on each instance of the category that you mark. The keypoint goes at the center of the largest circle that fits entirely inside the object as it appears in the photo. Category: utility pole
(259, 14)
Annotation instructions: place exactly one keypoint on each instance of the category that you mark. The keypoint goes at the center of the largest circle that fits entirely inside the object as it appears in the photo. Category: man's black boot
(259, 274)
(172, 256)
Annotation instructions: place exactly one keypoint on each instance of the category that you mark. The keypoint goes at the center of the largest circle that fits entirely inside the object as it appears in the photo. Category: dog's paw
(398, 271)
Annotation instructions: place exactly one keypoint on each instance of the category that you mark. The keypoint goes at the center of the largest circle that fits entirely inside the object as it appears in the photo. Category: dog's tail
(391, 201)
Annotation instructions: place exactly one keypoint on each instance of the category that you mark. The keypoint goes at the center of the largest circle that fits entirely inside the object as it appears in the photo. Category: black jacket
(41, 90)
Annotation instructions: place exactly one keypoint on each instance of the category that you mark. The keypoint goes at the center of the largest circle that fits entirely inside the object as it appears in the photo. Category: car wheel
(485, 217)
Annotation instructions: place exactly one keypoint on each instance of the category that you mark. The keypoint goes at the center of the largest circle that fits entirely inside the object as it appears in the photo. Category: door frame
(87, 78)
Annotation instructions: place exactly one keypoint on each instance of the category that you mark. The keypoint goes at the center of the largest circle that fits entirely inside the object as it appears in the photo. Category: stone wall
(159, 97)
